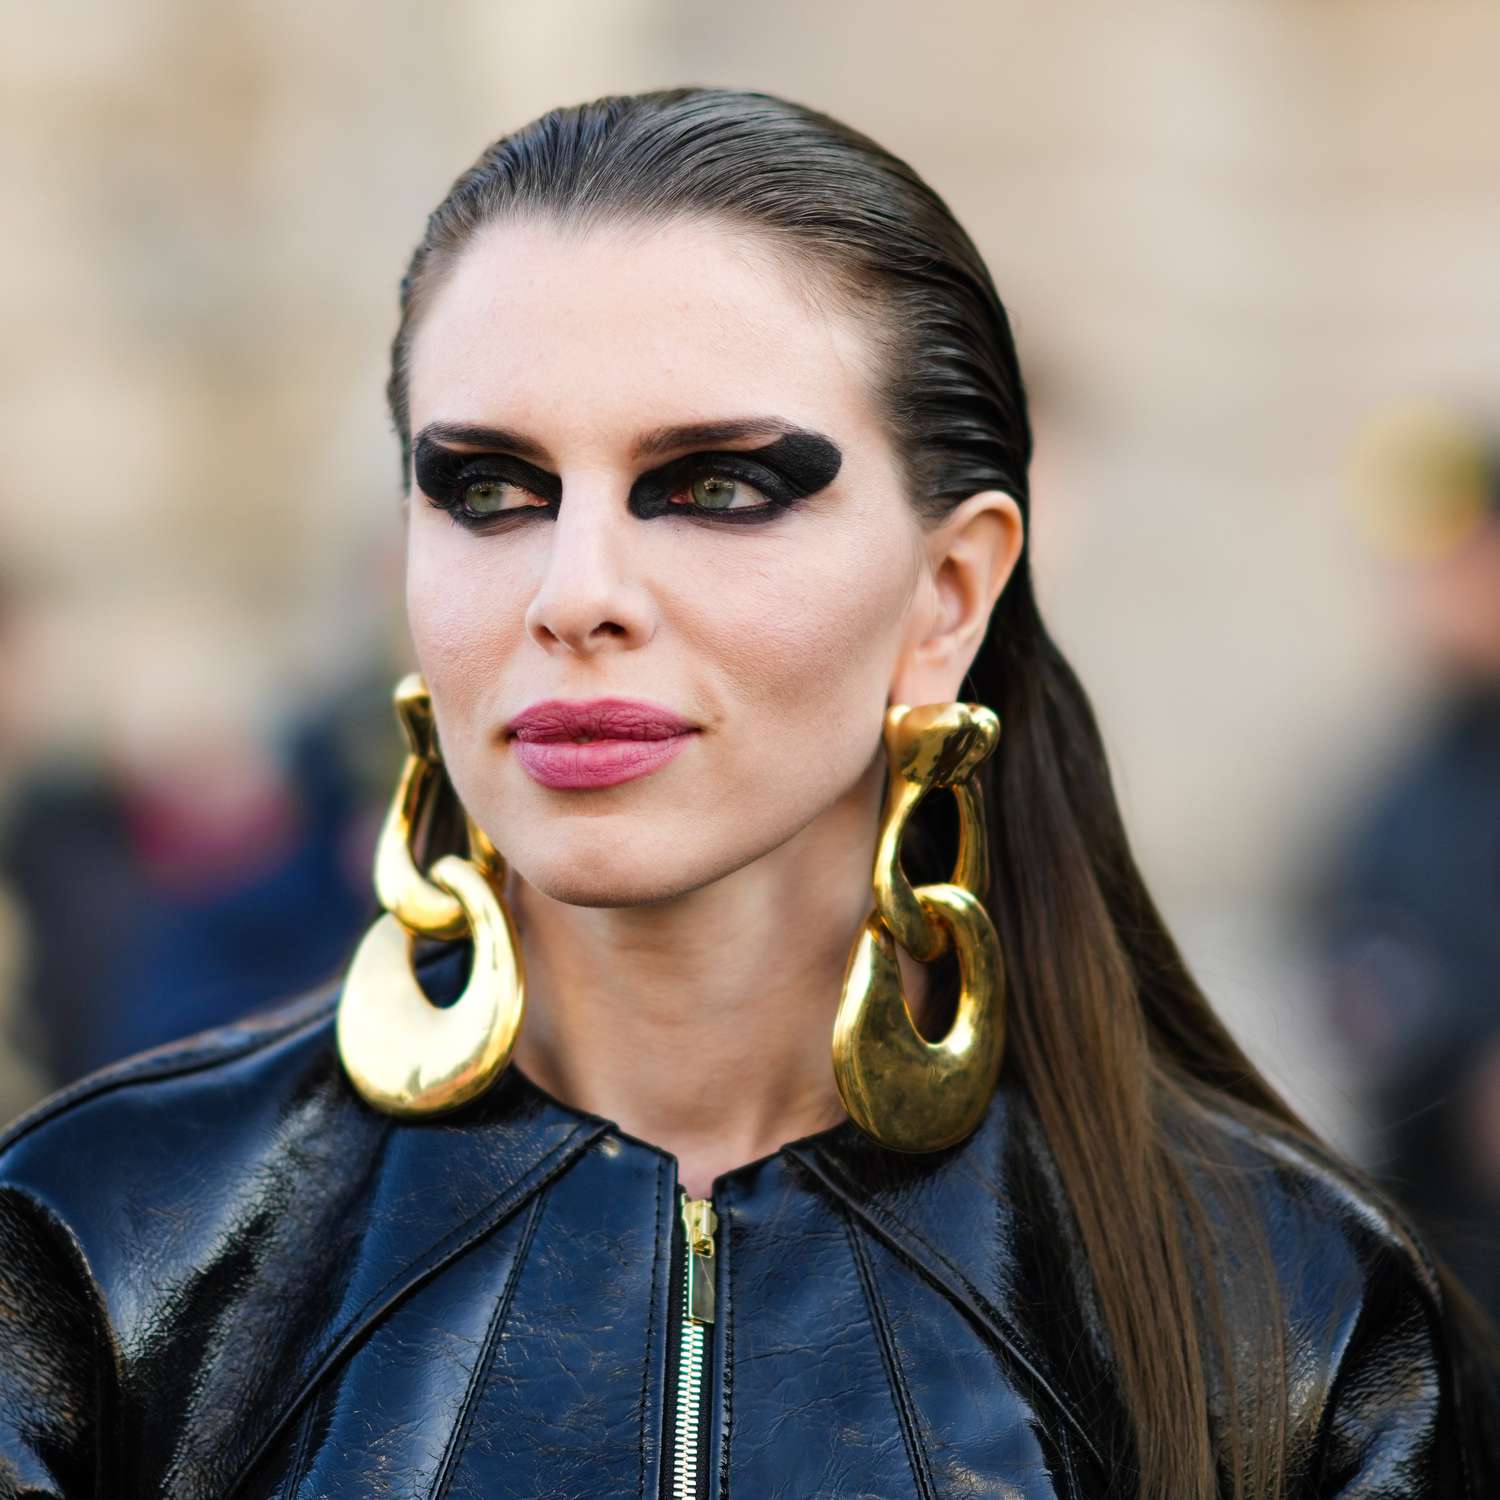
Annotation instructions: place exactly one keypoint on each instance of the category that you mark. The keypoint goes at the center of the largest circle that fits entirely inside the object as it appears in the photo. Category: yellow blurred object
(1422, 482)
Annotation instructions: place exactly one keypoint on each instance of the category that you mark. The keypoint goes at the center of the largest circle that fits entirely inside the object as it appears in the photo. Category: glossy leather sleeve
(56, 1365)
(1390, 1429)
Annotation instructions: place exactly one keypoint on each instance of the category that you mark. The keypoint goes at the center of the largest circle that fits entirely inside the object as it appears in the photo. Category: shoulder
(1381, 1372)
(214, 1086)
(1322, 1217)
(123, 1140)
(179, 1234)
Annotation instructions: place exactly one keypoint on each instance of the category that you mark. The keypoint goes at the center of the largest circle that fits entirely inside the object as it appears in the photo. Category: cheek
(809, 633)
(465, 606)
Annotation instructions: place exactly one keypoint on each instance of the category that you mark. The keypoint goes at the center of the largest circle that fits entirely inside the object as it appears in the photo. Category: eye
(719, 492)
(489, 496)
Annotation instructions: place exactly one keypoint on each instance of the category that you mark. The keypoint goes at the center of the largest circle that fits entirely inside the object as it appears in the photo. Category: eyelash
(754, 476)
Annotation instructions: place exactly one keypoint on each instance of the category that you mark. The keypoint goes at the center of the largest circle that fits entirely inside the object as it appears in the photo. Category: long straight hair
(1109, 1036)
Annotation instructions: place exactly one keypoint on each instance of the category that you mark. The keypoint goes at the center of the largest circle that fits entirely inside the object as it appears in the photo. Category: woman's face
(761, 598)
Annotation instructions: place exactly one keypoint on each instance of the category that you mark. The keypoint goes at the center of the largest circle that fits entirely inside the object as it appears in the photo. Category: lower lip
(568, 765)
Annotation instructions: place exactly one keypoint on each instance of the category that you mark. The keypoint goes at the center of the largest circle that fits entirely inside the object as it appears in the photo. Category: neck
(703, 1024)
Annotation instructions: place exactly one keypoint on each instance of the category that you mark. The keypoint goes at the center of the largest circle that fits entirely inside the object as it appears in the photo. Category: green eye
(713, 492)
(485, 496)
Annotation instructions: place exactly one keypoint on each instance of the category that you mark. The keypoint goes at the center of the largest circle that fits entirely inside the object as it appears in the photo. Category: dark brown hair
(1109, 1036)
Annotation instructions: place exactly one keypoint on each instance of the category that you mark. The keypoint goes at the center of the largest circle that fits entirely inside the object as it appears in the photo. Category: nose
(589, 598)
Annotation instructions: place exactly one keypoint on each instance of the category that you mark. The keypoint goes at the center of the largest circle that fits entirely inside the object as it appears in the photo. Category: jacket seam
(302, 1453)
(906, 1413)
(414, 1274)
(650, 1335)
(1065, 1442)
(480, 1374)
(975, 1302)
(465, 1235)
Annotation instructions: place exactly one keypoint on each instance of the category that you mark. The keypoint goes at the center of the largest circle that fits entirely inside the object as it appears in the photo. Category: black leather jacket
(222, 1275)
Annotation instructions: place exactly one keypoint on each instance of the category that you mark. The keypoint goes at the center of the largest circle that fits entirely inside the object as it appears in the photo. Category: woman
(715, 449)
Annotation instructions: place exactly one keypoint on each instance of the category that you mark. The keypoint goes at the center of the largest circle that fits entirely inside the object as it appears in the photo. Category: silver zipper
(699, 1221)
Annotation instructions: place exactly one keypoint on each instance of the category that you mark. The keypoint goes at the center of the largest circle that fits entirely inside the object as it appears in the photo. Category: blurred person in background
(1411, 909)
(781, 1084)
(202, 864)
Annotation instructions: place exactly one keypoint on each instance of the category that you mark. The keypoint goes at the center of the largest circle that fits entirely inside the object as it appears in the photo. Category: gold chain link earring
(908, 1093)
(404, 1054)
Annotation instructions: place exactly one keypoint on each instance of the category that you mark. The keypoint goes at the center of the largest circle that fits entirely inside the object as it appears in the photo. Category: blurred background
(1252, 256)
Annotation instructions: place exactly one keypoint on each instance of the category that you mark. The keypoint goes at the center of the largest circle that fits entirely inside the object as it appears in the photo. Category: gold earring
(908, 1093)
(404, 1054)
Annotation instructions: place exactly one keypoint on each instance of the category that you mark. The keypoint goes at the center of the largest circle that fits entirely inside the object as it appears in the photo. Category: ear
(969, 558)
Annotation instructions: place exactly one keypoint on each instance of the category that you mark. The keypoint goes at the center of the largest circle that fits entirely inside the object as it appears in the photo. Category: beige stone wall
(1226, 233)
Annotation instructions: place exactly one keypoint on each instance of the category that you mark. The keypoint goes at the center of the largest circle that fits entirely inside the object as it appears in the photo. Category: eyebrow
(652, 444)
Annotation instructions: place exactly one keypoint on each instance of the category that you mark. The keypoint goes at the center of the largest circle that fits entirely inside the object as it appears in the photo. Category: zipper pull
(699, 1221)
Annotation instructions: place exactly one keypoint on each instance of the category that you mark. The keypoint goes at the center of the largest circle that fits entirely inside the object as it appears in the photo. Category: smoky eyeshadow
(796, 465)
(442, 473)
(792, 467)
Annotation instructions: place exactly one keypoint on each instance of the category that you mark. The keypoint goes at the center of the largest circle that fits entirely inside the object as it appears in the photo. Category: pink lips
(596, 741)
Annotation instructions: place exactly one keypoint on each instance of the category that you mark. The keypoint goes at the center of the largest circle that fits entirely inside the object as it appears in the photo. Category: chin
(597, 874)
(579, 887)
(644, 859)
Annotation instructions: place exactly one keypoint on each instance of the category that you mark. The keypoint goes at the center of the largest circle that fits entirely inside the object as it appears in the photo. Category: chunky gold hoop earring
(405, 1055)
(908, 1093)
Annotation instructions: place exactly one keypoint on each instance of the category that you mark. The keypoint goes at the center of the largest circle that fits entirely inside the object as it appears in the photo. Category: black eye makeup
(796, 465)
(489, 491)
(476, 489)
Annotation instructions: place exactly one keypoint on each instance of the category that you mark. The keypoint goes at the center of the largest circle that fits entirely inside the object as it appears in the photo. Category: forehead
(602, 331)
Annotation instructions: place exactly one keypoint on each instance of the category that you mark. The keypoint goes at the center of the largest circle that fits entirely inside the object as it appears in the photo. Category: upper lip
(557, 719)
